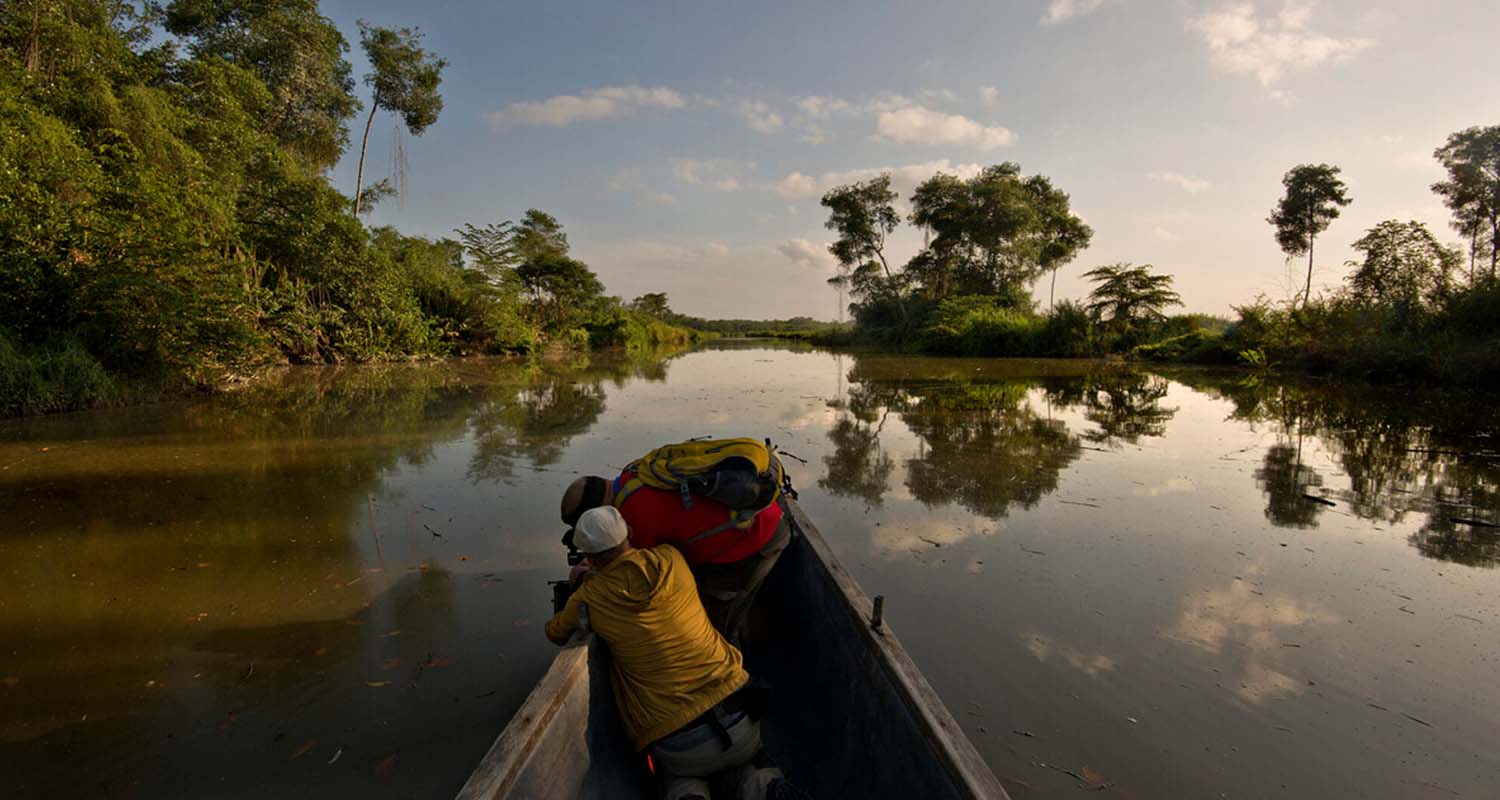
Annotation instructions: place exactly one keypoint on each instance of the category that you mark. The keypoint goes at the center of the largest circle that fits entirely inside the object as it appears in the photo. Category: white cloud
(760, 117)
(718, 174)
(805, 253)
(1241, 40)
(887, 102)
(799, 186)
(1187, 183)
(629, 180)
(591, 104)
(920, 125)
(989, 94)
(1162, 234)
(1064, 10)
(822, 107)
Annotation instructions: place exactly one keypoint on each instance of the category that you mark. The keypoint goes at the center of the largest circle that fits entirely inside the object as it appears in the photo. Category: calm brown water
(334, 587)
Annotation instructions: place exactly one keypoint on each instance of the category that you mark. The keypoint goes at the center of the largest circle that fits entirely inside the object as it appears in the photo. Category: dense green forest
(1408, 308)
(167, 223)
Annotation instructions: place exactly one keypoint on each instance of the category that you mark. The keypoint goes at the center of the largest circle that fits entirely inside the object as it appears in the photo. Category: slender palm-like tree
(1314, 195)
(403, 79)
(1126, 294)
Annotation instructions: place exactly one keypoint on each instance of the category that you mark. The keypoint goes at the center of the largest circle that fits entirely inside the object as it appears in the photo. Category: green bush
(57, 376)
(1067, 332)
(977, 326)
(1193, 347)
(633, 330)
(1458, 341)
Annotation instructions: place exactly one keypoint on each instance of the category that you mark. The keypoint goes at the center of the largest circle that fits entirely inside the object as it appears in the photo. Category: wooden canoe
(850, 715)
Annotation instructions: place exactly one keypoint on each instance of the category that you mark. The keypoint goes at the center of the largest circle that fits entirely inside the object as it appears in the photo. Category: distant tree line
(166, 220)
(1405, 309)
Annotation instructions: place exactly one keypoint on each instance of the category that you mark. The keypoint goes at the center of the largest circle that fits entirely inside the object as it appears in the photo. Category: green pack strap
(626, 491)
(717, 529)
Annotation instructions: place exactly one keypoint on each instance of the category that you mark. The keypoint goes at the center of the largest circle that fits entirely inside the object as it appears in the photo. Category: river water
(1175, 584)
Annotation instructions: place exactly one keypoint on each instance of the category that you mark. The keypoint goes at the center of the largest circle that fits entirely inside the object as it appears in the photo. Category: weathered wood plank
(501, 768)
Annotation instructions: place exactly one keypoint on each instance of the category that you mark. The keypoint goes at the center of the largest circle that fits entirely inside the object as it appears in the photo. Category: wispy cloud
(989, 94)
(816, 107)
(921, 125)
(1187, 183)
(630, 181)
(1242, 40)
(718, 174)
(1064, 10)
(806, 253)
(760, 116)
(591, 104)
(800, 186)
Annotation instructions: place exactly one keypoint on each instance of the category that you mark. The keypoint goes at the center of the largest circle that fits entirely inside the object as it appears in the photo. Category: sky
(684, 146)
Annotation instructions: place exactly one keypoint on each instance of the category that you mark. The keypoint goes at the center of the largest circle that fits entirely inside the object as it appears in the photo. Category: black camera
(561, 591)
(574, 557)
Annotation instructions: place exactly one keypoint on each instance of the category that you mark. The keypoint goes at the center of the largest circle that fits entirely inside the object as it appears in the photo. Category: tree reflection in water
(534, 419)
(1286, 482)
(1429, 453)
(986, 448)
(1125, 405)
(984, 445)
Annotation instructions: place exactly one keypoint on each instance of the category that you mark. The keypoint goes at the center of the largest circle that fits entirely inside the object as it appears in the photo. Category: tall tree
(1404, 266)
(1060, 235)
(539, 235)
(1472, 191)
(940, 208)
(403, 80)
(993, 234)
(491, 249)
(1126, 294)
(1314, 194)
(864, 214)
(560, 286)
(653, 303)
(296, 51)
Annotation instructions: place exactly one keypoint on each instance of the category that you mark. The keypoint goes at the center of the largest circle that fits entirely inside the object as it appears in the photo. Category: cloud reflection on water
(1251, 627)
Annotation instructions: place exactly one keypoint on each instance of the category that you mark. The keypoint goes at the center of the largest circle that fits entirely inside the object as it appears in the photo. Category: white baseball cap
(600, 529)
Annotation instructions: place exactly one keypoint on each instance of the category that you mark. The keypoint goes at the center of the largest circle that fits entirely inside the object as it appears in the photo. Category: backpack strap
(742, 524)
(623, 493)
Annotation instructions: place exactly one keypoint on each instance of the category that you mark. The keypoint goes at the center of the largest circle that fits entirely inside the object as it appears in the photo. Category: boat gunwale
(969, 770)
(503, 763)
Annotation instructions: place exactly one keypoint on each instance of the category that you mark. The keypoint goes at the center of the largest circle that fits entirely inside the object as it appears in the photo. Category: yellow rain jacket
(667, 663)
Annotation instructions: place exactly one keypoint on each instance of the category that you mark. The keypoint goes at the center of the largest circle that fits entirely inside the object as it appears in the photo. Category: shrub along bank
(1455, 340)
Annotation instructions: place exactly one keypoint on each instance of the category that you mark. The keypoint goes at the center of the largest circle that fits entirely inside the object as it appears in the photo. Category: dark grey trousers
(728, 590)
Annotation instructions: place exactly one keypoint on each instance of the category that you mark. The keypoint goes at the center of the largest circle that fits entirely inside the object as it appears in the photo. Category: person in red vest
(728, 562)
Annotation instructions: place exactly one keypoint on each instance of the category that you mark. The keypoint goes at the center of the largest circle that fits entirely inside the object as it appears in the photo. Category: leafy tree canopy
(1404, 265)
(1314, 194)
(1125, 294)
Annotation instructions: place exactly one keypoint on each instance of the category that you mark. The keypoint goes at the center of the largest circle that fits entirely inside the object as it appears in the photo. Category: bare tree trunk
(1307, 293)
(1473, 251)
(1052, 290)
(364, 142)
(1494, 244)
(896, 293)
(34, 45)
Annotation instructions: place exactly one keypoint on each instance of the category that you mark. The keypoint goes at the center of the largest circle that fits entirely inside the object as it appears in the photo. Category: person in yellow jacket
(671, 672)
